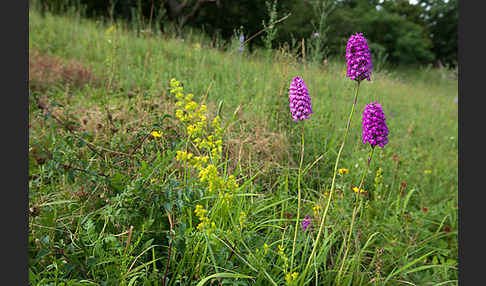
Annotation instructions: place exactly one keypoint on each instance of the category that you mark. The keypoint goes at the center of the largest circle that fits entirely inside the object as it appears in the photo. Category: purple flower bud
(375, 130)
(306, 222)
(299, 100)
(316, 34)
(358, 58)
(242, 40)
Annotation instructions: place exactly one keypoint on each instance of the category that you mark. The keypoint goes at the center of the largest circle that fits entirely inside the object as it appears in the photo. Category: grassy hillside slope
(110, 204)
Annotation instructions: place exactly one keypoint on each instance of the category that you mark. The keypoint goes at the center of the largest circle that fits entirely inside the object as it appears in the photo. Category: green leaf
(407, 198)
(148, 243)
(222, 275)
(117, 181)
(421, 258)
(133, 280)
(42, 253)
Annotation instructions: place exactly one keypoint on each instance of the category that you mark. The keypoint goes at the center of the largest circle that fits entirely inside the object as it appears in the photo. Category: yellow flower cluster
(355, 189)
(205, 224)
(156, 134)
(265, 248)
(343, 171)
(225, 197)
(316, 210)
(183, 156)
(263, 251)
(109, 32)
(285, 259)
(379, 177)
(242, 219)
(194, 116)
(208, 141)
(281, 253)
(289, 277)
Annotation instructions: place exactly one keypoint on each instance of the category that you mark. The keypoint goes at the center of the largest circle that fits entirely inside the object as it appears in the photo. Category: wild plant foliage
(182, 165)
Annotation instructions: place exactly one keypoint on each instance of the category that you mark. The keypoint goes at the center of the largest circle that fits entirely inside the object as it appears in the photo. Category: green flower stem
(298, 200)
(309, 235)
(348, 236)
(185, 163)
(302, 278)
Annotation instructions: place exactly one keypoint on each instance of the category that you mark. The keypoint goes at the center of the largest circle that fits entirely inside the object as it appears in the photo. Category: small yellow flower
(110, 30)
(153, 180)
(379, 176)
(156, 134)
(287, 277)
(293, 276)
(242, 219)
(427, 172)
(265, 248)
(343, 171)
(355, 189)
(200, 211)
(316, 209)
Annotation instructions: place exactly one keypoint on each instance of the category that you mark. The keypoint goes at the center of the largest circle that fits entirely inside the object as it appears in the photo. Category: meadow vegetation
(157, 160)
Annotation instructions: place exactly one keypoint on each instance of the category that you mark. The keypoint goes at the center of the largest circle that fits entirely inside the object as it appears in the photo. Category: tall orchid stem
(323, 219)
(348, 236)
(298, 199)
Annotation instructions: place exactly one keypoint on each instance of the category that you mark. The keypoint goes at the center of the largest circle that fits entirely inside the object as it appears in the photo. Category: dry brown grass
(248, 143)
(47, 70)
(253, 145)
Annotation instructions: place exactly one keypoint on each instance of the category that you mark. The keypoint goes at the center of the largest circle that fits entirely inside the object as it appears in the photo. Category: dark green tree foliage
(441, 22)
(298, 25)
(405, 41)
(406, 33)
(225, 18)
(438, 19)
(387, 27)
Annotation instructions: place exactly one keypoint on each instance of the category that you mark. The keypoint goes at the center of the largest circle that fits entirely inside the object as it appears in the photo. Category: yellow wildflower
(183, 155)
(156, 134)
(265, 248)
(343, 171)
(355, 189)
(191, 105)
(316, 209)
(242, 219)
(189, 97)
(293, 276)
(203, 108)
(110, 30)
(200, 211)
(379, 176)
(174, 82)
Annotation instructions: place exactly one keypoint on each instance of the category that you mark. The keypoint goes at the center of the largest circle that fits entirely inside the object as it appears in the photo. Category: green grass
(93, 179)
